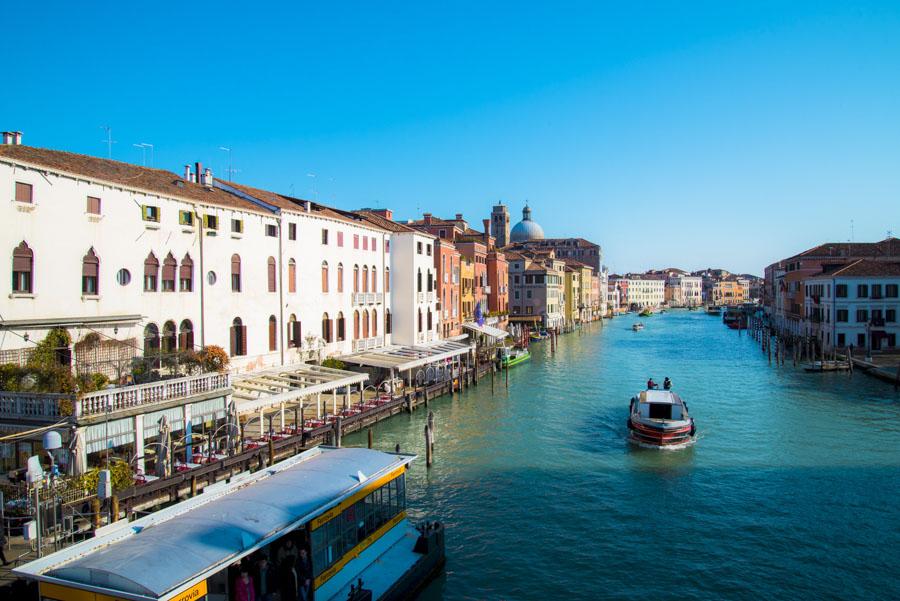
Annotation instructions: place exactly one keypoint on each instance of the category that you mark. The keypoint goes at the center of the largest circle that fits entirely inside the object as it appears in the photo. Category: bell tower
(500, 224)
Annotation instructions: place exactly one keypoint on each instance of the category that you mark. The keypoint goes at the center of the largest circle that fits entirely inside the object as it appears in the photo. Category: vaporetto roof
(156, 557)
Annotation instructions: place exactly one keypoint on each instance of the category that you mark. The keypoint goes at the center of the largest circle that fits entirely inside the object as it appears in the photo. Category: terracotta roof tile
(126, 175)
(864, 268)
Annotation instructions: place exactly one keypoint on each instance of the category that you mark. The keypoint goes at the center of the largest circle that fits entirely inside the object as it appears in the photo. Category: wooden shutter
(271, 272)
(233, 337)
(22, 258)
(90, 267)
(296, 337)
(23, 192)
(93, 205)
(292, 277)
(273, 333)
(243, 340)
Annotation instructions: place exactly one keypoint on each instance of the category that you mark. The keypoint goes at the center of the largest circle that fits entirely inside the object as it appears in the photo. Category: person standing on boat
(667, 384)
(651, 384)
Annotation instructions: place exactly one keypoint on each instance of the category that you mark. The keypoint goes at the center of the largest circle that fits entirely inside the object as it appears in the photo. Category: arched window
(326, 326)
(430, 281)
(169, 339)
(374, 322)
(292, 276)
(273, 333)
(324, 276)
(374, 279)
(420, 320)
(151, 273)
(186, 274)
(168, 273)
(235, 274)
(365, 278)
(387, 279)
(23, 269)
(365, 323)
(429, 320)
(238, 337)
(341, 331)
(90, 273)
(387, 321)
(186, 335)
(419, 281)
(151, 340)
(356, 325)
(294, 337)
(340, 277)
(271, 273)
(356, 278)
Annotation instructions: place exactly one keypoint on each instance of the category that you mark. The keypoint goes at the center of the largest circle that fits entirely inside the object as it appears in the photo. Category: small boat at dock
(637, 327)
(660, 419)
(713, 310)
(817, 366)
(510, 356)
(646, 312)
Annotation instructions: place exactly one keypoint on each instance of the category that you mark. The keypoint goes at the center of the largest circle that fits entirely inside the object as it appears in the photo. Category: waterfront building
(414, 319)
(578, 249)
(637, 291)
(684, 290)
(613, 299)
(783, 291)
(854, 304)
(467, 288)
(730, 291)
(537, 284)
(578, 306)
(447, 259)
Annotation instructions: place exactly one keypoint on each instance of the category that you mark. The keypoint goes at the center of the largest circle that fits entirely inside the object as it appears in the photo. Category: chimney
(427, 218)
(487, 227)
(198, 170)
(8, 138)
(459, 217)
(386, 213)
(208, 178)
(187, 173)
(17, 138)
(307, 205)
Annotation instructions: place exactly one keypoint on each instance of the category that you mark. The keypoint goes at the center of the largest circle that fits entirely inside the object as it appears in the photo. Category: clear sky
(689, 134)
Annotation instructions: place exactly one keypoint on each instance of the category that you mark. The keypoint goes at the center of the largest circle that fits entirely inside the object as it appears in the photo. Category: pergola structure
(409, 360)
(292, 386)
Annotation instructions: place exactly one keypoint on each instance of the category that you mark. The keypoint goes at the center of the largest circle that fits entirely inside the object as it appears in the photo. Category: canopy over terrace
(292, 384)
(399, 359)
(487, 330)
(169, 554)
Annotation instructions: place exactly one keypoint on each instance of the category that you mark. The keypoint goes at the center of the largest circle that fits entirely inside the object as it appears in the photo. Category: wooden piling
(493, 375)
(769, 348)
(429, 458)
(271, 449)
(897, 378)
(114, 509)
(193, 485)
(507, 376)
(338, 423)
(371, 437)
(95, 511)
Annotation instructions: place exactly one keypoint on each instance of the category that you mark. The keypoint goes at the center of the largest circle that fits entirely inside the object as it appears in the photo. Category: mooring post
(493, 369)
(371, 438)
(95, 510)
(897, 379)
(428, 448)
(507, 376)
(114, 509)
(850, 360)
(769, 347)
(193, 485)
(338, 423)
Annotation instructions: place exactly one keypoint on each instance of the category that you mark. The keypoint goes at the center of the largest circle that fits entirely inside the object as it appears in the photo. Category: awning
(270, 388)
(402, 358)
(70, 322)
(486, 330)
(160, 556)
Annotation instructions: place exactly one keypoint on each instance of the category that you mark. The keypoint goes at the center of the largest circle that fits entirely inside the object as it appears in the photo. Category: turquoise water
(792, 490)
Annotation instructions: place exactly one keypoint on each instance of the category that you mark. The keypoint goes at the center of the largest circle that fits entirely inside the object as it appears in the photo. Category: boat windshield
(661, 411)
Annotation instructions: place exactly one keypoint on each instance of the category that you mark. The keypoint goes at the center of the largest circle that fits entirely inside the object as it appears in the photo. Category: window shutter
(182, 341)
(296, 333)
(271, 272)
(93, 205)
(243, 340)
(233, 337)
(187, 269)
(235, 265)
(22, 259)
(90, 267)
(23, 192)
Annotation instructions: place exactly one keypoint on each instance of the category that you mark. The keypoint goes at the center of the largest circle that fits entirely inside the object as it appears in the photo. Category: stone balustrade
(128, 397)
(33, 406)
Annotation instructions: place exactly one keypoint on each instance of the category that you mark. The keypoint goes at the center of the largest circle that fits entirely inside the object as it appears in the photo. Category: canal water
(792, 490)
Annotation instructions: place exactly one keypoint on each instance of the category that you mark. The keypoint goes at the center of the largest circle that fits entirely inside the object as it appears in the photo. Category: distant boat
(647, 312)
(637, 327)
(660, 419)
(816, 366)
(713, 310)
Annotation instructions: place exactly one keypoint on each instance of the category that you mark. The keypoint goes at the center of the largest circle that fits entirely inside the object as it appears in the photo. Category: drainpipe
(202, 282)
(280, 287)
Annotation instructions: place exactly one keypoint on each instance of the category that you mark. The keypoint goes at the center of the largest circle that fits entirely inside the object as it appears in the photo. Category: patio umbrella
(163, 458)
(231, 421)
(77, 454)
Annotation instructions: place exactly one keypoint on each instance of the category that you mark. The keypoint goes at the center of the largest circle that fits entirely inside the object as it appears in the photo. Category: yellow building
(578, 305)
(731, 292)
(572, 295)
(467, 289)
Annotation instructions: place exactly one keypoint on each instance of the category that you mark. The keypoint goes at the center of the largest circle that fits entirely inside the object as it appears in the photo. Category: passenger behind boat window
(660, 411)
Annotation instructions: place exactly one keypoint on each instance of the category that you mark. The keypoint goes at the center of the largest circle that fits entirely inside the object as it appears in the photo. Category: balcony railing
(129, 397)
(431, 297)
(421, 297)
(420, 337)
(364, 344)
(487, 289)
(42, 407)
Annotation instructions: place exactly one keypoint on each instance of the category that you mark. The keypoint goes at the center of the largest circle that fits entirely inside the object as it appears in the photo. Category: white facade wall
(59, 232)
(646, 293)
(689, 290)
(865, 314)
(406, 263)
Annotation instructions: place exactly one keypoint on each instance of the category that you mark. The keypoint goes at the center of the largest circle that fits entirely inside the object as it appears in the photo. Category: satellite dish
(35, 471)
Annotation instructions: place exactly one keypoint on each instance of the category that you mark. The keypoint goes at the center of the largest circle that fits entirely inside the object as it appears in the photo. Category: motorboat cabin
(659, 418)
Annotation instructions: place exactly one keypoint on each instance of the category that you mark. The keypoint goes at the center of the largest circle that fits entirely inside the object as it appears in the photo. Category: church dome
(526, 229)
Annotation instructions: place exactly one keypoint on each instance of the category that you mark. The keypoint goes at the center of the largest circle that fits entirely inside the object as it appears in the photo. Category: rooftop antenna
(232, 171)
(851, 231)
(144, 146)
(109, 141)
(228, 169)
(315, 190)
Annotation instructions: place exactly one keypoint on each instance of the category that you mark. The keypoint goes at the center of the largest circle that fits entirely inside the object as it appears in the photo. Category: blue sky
(723, 134)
